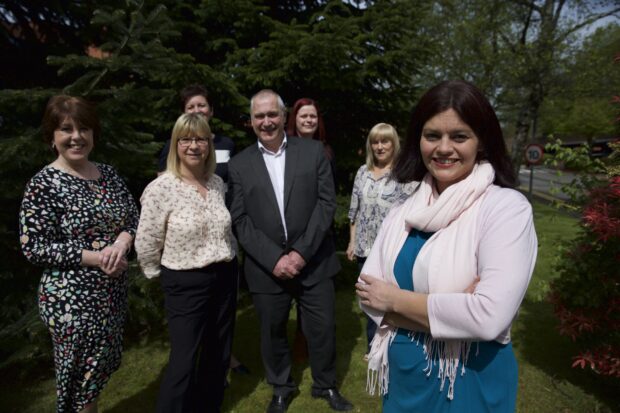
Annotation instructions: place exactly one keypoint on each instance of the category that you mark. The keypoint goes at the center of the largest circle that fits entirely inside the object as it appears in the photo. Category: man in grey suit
(282, 202)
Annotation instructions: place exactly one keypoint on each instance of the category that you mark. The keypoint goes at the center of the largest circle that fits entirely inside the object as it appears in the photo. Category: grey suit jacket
(309, 207)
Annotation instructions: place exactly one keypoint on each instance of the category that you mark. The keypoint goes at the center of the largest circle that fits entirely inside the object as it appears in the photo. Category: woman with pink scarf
(450, 266)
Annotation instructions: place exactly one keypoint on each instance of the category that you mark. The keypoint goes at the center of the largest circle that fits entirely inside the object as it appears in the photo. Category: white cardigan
(506, 254)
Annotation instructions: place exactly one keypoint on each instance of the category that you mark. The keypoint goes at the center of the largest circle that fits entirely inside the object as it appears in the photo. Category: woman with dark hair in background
(450, 266)
(78, 220)
(374, 192)
(185, 237)
(195, 99)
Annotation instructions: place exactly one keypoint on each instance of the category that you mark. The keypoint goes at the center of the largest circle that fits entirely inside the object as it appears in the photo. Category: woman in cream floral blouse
(185, 237)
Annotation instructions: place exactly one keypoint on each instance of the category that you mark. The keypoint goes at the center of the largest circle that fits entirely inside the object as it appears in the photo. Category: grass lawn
(546, 381)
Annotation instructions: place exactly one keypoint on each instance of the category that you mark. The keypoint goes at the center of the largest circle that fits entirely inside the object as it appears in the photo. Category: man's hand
(297, 260)
(285, 269)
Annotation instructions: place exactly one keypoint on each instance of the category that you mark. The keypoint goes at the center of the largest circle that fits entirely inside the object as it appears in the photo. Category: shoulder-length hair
(378, 132)
(291, 127)
(190, 125)
(475, 110)
(319, 134)
(61, 107)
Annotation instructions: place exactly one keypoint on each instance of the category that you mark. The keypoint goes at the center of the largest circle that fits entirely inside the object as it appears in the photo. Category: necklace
(94, 186)
(90, 172)
(90, 175)
(199, 185)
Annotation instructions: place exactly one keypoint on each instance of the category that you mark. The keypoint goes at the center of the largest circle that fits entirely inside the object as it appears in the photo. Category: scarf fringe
(378, 374)
(447, 355)
(454, 211)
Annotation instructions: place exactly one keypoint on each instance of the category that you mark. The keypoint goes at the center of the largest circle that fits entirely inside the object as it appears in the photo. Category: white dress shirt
(275, 161)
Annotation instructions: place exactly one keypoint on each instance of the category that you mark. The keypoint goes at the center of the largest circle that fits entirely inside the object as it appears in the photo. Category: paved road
(545, 180)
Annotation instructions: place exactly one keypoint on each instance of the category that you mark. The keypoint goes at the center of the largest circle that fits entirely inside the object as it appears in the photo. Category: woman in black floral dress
(78, 220)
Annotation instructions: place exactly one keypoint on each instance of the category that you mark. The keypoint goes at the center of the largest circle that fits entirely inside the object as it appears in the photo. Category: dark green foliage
(358, 61)
(582, 105)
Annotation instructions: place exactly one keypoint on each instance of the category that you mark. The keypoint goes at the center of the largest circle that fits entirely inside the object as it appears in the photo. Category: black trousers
(317, 304)
(200, 307)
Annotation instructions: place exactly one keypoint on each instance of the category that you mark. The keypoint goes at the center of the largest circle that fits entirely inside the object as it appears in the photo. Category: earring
(53, 146)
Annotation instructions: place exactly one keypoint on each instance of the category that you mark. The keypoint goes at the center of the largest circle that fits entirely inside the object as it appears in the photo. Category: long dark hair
(475, 110)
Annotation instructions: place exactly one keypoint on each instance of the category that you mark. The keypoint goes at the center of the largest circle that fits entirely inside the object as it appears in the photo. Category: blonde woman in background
(450, 265)
(374, 192)
(185, 237)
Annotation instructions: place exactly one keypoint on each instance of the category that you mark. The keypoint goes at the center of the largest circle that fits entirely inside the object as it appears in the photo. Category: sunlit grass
(547, 384)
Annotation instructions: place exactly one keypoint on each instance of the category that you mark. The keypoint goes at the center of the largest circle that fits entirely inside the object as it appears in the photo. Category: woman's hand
(119, 267)
(110, 256)
(350, 252)
(376, 293)
(472, 286)
(112, 259)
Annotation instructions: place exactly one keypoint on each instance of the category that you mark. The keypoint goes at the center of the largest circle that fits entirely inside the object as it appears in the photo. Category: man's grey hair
(267, 92)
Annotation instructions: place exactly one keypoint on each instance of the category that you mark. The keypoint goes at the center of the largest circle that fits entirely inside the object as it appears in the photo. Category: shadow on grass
(28, 386)
(348, 321)
(246, 347)
(142, 401)
(20, 383)
(247, 343)
(541, 345)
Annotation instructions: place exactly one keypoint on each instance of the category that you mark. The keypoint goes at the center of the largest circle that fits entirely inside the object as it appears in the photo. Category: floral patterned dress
(83, 307)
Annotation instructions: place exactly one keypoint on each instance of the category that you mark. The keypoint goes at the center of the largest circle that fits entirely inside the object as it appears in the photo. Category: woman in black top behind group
(195, 99)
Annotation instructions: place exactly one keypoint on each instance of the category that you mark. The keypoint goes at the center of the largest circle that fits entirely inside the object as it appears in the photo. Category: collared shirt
(275, 161)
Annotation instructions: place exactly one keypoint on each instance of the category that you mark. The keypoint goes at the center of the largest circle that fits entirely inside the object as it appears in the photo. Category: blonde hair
(381, 131)
(190, 125)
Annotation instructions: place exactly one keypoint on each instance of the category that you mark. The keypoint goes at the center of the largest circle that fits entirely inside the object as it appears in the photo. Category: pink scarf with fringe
(447, 263)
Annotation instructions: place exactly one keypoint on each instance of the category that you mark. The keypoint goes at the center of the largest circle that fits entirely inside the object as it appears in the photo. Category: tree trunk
(526, 115)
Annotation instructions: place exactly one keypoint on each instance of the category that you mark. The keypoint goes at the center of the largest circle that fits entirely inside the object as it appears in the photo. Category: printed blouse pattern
(180, 229)
(371, 200)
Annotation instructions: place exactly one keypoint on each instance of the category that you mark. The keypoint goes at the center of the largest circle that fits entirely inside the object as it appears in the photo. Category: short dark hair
(60, 107)
(190, 91)
(475, 110)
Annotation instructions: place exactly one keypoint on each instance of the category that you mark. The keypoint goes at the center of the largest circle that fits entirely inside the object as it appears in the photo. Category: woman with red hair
(306, 121)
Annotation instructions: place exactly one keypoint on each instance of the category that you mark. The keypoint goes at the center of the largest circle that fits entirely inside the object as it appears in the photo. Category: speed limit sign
(534, 154)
